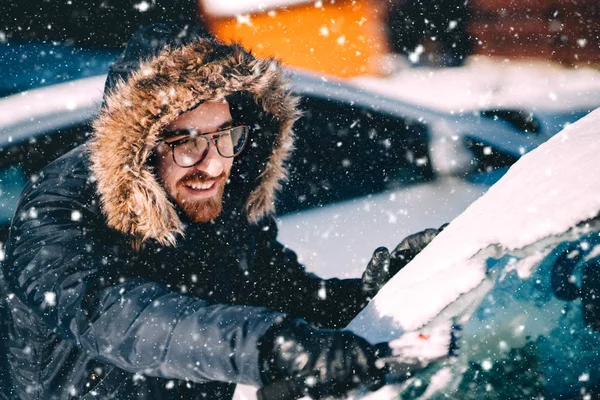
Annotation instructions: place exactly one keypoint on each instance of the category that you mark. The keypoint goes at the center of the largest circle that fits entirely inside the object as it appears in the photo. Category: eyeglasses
(193, 148)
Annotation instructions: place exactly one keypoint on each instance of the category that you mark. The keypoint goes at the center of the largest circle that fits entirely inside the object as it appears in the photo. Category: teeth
(200, 186)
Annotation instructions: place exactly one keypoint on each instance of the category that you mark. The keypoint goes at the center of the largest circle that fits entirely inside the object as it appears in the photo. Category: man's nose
(212, 165)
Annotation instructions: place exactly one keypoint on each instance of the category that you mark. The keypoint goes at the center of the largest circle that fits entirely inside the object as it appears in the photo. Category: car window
(21, 162)
(344, 151)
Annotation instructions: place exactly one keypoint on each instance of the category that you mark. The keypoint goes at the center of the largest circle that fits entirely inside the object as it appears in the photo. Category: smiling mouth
(200, 186)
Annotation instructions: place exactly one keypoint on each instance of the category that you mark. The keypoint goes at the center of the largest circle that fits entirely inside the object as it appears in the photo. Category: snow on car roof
(29, 113)
(231, 8)
(487, 83)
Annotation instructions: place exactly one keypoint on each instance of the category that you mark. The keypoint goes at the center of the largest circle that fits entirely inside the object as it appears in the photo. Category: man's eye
(224, 132)
(179, 141)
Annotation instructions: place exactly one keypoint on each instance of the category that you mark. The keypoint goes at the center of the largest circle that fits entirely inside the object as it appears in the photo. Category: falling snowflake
(421, 161)
(486, 365)
(416, 55)
(75, 215)
(243, 19)
(50, 299)
(322, 293)
(142, 6)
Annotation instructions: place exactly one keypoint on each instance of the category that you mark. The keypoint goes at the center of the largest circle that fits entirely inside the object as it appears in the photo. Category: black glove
(321, 362)
(384, 265)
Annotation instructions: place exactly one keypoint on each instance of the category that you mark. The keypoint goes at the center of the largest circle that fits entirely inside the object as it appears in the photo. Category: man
(144, 264)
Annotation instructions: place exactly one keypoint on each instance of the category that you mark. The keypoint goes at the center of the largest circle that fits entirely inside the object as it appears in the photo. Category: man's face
(198, 190)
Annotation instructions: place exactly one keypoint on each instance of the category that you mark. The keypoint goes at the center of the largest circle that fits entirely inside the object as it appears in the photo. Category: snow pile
(489, 83)
(545, 193)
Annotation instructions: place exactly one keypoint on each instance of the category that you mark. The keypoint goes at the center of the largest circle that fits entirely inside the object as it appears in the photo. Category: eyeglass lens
(229, 143)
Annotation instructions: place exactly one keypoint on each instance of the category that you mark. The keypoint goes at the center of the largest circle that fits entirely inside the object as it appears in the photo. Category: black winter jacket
(111, 293)
(88, 314)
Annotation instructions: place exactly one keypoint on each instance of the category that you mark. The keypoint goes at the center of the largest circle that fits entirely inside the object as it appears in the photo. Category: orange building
(338, 37)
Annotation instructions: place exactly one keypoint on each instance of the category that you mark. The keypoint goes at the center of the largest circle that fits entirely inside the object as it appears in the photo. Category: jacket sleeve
(328, 303)
(59, 263)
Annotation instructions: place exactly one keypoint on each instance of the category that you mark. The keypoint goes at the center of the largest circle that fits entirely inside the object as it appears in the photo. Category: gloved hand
(384, 265)
(323, 362)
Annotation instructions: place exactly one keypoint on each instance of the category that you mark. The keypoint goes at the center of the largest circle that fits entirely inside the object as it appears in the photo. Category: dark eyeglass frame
(190, 135)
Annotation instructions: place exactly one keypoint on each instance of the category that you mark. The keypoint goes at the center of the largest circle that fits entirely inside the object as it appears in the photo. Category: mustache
(201, 177)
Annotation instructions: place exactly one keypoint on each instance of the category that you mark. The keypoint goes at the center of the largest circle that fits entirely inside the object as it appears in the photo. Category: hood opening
(144, 98)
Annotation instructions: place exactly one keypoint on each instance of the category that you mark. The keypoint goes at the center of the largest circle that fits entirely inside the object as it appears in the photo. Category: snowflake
(50, 299)
(142, 6)
(243, 19)
(486, 365)
(415, 55)
(75, 215)
(322, 293)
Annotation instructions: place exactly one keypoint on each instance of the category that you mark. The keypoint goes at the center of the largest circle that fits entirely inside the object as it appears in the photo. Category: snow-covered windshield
(518, 271)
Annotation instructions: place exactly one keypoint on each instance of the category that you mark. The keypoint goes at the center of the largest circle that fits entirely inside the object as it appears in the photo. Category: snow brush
(412, 352)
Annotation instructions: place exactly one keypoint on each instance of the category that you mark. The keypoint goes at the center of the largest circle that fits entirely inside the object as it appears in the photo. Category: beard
(202, 210)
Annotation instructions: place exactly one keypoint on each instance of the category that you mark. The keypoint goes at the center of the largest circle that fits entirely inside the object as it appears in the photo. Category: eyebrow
(224, 125)
(167, 134)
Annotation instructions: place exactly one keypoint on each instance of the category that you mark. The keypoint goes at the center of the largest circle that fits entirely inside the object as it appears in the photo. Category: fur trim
(136, 110)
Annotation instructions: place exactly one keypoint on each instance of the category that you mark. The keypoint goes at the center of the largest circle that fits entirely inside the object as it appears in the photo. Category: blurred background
(340, 37)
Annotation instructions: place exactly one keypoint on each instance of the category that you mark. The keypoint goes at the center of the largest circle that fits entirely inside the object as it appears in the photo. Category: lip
(203, 193)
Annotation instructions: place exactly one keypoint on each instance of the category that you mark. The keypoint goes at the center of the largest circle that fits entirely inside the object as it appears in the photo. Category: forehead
(205, 118)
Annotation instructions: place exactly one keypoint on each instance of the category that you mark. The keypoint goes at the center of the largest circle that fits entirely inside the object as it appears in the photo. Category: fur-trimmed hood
(156, 79)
